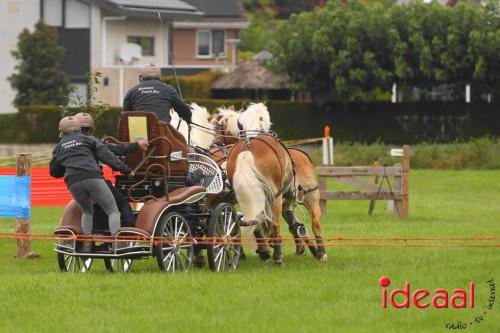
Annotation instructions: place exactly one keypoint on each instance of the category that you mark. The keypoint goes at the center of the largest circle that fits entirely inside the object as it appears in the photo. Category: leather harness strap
(282, 168)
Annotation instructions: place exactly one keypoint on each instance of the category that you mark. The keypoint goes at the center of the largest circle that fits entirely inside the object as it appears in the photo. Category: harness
(286, 183)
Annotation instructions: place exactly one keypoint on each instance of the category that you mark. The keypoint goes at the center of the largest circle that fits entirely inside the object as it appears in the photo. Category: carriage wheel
(118, 265)
(73, 264)
(174, 251)
(224, 230)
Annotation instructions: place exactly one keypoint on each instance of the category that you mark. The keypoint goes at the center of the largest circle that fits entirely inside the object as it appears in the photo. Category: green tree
(341, 52)
(355, 50)
(39, 79)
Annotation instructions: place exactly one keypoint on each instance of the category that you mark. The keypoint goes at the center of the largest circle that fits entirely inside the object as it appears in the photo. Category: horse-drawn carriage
(184, 211)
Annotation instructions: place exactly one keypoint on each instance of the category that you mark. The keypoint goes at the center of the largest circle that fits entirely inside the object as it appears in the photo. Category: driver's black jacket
(152, 95)
(74, 158)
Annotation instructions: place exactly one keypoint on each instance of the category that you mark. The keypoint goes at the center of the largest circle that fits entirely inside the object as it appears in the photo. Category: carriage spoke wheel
(119, 265)
(73, 264)
(175, 248)
(224, 231)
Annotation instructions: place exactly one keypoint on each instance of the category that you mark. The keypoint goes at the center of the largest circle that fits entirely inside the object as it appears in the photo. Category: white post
(467, 93)
(327, 147)
(330, 146)
(394, 98)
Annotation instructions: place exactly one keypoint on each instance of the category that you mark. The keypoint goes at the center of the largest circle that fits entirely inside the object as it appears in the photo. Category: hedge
(195, 86)
(374, 122)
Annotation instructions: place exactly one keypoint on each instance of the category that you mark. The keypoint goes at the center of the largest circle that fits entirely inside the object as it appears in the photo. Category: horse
(200, 137)
(261, 172)
(254, 120)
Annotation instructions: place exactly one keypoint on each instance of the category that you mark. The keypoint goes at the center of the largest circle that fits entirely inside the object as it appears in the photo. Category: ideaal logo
(423, 298)
(439, 299)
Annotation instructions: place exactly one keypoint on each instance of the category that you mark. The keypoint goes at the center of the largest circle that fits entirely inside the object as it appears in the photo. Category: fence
(397, 190)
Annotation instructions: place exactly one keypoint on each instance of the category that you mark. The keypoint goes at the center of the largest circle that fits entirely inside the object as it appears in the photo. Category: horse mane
(228, 118)
(201, 137)
(256, 117)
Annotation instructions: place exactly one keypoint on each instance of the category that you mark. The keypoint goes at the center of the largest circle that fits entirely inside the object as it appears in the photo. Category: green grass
(479, 154)
(341, 295)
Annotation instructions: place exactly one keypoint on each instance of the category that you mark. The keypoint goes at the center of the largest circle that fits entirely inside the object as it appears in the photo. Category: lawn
(342, 295)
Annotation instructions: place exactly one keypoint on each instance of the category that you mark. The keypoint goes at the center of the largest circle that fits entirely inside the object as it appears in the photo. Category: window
(77, 14)
(72, 14)
(79, 94)
(204, 43)
(53, 13)
(211, 43)
(218, 43)
(147, 44)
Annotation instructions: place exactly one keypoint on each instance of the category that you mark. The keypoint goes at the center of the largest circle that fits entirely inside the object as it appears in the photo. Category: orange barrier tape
(328, 241)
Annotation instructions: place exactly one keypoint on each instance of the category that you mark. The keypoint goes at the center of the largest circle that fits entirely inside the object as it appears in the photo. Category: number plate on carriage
(176, 155)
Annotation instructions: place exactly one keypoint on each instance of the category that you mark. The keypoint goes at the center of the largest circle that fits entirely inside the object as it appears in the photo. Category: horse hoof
(278, 261)
(200, 261)
(300, 250)
(243, 256)
(323, 257)
(264, 256)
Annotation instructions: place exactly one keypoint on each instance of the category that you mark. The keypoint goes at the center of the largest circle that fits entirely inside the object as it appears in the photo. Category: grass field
(342, 295)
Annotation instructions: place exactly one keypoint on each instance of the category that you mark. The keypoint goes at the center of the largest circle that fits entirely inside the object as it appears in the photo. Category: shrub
(195, 86)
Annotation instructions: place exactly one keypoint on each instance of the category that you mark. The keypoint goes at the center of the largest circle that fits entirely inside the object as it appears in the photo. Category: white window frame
(211, 54)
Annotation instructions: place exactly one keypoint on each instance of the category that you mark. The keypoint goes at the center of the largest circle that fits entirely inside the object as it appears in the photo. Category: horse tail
(253, 192)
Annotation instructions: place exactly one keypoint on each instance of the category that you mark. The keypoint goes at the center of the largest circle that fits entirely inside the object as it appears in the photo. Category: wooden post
(371, 206)
(322, 189)
(23, 225)
(406, 182)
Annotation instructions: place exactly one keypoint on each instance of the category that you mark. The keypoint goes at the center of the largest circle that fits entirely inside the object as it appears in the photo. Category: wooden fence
(396, 187)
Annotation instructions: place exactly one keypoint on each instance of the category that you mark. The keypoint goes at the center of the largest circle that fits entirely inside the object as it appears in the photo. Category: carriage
(186, 208)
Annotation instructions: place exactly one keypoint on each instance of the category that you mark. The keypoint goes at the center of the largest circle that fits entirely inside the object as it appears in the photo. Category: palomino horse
(262, 175)
(256, 119)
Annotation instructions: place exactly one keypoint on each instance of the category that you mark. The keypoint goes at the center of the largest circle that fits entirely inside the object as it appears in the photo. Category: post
(23, 225)
(406, 182)
(327, 147)
(371, 206)
(322, 189)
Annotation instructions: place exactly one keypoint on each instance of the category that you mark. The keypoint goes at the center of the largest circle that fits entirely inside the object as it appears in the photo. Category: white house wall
(116, 36)
(95, 37)
(14, 17)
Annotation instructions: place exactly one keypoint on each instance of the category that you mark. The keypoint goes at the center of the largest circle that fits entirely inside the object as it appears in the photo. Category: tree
(355, 50)
(40, 79)
(339, 53)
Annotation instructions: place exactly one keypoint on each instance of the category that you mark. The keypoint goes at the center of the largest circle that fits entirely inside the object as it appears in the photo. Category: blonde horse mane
(199, 137)
(228, 118)
(255, 118)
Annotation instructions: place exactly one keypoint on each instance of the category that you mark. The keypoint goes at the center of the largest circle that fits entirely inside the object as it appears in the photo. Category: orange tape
(286, 241)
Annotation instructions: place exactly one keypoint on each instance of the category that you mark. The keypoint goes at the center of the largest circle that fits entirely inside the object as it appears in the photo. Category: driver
(152, 95)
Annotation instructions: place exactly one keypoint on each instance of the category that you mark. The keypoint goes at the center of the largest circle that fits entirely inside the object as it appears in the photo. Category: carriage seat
(150, 212)
(171, 153)
(71, 219)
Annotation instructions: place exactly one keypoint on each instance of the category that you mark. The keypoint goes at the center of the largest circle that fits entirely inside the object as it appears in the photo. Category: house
(192, 36)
